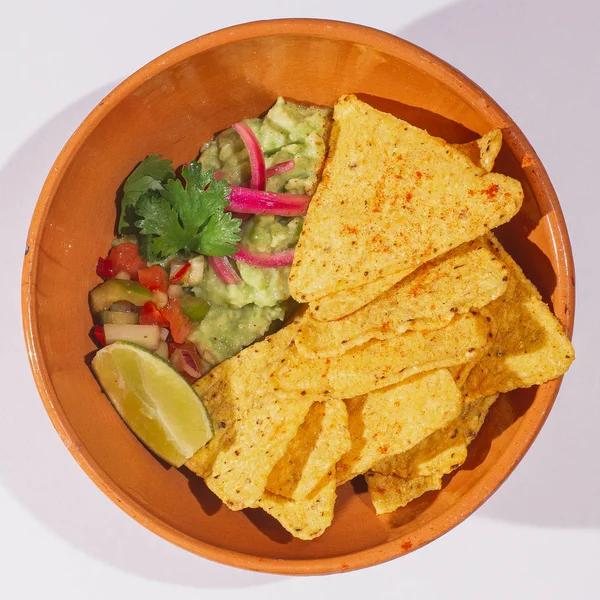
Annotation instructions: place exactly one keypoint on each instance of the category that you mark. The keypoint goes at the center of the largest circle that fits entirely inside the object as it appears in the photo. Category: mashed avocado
(288, 131)
(263, 287)
(226, 331)
(241, 314)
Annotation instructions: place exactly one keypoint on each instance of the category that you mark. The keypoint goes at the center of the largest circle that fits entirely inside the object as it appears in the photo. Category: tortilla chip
(224, 393)
(461, 372)
(530, 347)
(320, 442)
(394, 419)
(378, 363)
(305, 519)
(444, 450)
(335, 306)
(405, 477)
(465, 278)
(392, 197)
(388, 492)
(260, 435)
(483, 151)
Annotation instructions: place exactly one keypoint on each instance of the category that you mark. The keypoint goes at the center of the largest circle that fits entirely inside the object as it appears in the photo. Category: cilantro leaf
(220, 236)
(190, 218)
(150, 175)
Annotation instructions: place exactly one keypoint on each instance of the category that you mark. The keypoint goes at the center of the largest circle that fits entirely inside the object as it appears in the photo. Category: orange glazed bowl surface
(172, 106)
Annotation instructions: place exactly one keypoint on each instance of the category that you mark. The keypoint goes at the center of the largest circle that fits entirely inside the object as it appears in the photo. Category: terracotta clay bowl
(171, 106)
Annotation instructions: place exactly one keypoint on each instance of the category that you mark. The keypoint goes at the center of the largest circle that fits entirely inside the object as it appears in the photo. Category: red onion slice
(186, 360)
(282, 258)
(283, 167)
(257, 159)
(256, 202)
(224, 270)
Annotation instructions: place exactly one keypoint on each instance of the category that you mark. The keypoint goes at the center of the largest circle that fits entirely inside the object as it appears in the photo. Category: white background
(537, 537)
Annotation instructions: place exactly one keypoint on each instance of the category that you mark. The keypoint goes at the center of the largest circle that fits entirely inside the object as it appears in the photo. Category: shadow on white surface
(540, 60)
(43, 478)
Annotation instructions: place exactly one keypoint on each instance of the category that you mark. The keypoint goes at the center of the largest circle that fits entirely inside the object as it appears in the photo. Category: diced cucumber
(193, 308)
(118, 318)
(147, 336)
(116, 290)
(121, 306)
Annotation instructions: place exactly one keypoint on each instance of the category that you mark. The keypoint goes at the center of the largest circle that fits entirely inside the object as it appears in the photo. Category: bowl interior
(173, 108)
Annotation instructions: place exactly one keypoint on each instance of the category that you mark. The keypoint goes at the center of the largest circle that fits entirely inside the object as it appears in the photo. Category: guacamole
(226, 331)
(241, 314)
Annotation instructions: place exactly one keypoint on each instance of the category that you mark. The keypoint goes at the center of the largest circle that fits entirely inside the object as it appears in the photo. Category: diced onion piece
(175, 291)
(282, 258)
(159, 298)
(163, 350)
(244, 200)
(123, 275)
(195, 273)
(164, 333)
(174, 265)
(178, 275)
(224, 270)
(257, 159)
(283, 167)
(143, 335)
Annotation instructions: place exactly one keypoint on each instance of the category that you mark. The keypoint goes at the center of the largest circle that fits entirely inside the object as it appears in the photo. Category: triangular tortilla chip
(380, 363)
(468, 277)
(391, 198)
(444, 450)
(311, 456)
(257, 441)
(483, 151)
(338, 305)
(530, 347)
(305, 519)
(409, 475)
(392, 420)
(224, 392)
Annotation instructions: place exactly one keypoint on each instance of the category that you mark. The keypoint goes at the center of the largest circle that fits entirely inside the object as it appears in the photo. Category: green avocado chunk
(117, 290)
(193, 308)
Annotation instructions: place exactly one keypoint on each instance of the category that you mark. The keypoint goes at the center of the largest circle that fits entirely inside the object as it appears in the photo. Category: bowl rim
(473, 95)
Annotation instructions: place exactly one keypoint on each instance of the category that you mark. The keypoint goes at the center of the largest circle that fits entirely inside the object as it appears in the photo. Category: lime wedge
(155, 401)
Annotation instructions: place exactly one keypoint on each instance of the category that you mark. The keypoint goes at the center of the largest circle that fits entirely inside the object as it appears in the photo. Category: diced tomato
(98, 333)
(104, 268)
(125, 257)
(154, 278)
(150, 315)
(180, 325)
(178, 275)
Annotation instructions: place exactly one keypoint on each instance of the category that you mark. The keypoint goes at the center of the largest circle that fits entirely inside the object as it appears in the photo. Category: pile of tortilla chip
(414, 320)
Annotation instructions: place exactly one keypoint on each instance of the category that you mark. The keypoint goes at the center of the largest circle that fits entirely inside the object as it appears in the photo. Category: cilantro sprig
(172, 217)
(149, 176)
